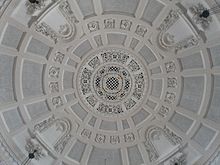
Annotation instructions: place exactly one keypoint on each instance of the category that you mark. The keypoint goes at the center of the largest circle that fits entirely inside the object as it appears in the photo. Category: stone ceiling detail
(109, 82)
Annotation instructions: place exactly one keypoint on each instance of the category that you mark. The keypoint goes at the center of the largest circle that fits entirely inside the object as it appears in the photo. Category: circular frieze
(111, 82)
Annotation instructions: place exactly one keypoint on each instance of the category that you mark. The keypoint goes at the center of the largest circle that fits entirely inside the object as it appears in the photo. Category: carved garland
(66, 31)
(44, 125)
(151, 150)
(167, 41)
(47, 31)
(67, 12)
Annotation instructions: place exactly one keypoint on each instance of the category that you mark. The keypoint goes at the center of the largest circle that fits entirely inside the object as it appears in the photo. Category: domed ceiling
(109, 82)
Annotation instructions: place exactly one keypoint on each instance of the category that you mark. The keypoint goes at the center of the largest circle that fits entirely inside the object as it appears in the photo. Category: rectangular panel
(32, 79)
(152, 10)
(181, 122)
(101, 156)
(13, 119)
(192, 93)
(38, 48)
(204, 136)
(6, 78)
(12, 37)
(77, 151)
(86, 7)
(120, 6)
(213, 110)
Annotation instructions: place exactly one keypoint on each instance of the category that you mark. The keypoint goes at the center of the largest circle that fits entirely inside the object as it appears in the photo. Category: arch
(155, 131)
(62, 124)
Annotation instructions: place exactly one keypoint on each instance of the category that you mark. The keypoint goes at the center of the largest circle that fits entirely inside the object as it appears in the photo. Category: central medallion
(111, 82)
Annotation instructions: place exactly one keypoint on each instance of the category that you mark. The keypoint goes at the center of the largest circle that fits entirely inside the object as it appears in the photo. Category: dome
(109, 82)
